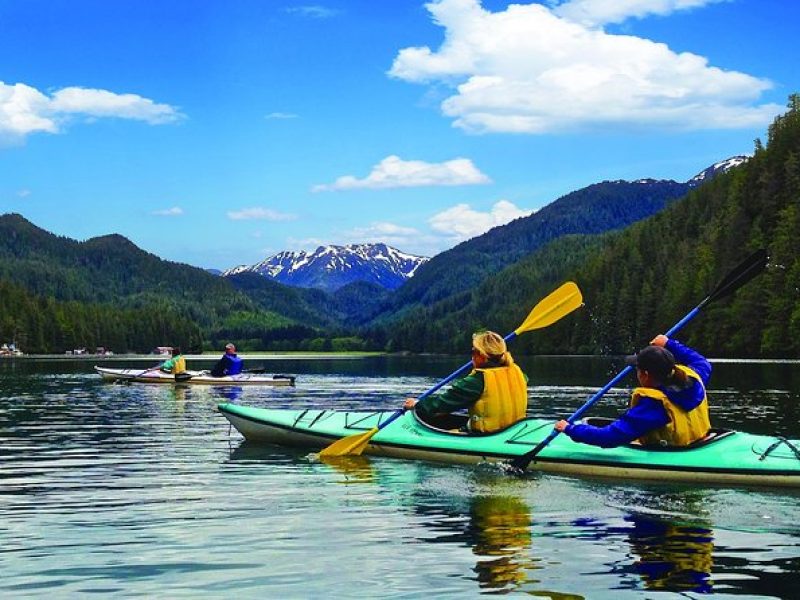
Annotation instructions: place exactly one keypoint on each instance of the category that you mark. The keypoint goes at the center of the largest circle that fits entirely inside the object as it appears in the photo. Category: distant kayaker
(495, 392)
(229, 364)
(669, 409)
(176, 364)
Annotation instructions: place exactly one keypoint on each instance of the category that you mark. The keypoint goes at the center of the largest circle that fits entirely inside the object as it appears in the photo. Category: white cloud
(24, 193)
(531, 69)
(315, 11)
(388, 233)
(406, 239)
(461, 222)
(281, 115)
(102, 103)
(599, 12)
(25, 110)
(258, 213)
(175, 211)
(394, 172)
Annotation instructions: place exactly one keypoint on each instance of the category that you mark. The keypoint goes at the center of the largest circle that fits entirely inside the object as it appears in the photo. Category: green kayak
(725, 457)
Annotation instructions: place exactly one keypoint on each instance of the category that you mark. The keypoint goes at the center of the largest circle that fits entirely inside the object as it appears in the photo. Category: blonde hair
(492, 346)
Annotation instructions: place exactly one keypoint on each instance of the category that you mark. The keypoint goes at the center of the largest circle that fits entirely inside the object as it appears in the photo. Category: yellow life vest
(684, 427)
(175, 365)
(503, 401)
(180, 365)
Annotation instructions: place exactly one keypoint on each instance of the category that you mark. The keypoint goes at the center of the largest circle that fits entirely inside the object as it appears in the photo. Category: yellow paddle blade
(552, 308)
(352, 445)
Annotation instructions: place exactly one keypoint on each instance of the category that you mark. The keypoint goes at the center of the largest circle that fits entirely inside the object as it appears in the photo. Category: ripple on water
(144, 491)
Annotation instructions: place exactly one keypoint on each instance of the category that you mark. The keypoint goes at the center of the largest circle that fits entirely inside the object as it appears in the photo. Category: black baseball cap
(657, 361)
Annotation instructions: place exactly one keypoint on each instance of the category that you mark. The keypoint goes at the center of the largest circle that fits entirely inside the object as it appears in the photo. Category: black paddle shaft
(741, 274)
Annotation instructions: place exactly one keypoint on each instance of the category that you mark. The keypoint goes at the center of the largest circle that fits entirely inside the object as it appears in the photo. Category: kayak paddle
(744, 272)
(550, 309)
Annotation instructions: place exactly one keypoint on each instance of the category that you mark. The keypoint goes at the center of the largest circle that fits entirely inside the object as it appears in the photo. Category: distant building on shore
(10, 349)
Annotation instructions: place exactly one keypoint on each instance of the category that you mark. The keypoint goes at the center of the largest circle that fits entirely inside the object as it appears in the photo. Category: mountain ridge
(332, 267)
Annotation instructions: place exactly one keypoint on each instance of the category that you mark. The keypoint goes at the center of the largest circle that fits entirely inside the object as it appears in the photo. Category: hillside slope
(639, 281)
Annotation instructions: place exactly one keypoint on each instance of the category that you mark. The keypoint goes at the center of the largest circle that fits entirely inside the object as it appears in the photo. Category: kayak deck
(193, 377)
(728, 458)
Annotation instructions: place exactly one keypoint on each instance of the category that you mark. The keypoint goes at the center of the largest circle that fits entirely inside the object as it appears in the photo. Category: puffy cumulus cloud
(175, 211)
(599, 12)
(394, 172)
(461, 222)
(25, 110)
(258, 213)
(533, 69)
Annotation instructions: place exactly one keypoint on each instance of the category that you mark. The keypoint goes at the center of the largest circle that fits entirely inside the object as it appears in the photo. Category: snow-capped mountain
(331, 267)
(721, 167)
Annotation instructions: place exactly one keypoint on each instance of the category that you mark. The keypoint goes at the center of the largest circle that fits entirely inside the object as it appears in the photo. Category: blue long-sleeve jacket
(229, 364)
(648, 414)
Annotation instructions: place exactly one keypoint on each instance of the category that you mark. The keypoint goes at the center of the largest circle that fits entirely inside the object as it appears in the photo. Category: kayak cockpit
(457, 424)
(713, 435)
(446, 423)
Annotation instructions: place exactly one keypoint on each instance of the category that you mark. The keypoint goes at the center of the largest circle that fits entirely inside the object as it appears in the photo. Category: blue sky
(217, 133)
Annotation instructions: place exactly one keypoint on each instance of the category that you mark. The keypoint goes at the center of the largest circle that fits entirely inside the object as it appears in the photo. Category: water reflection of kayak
(725, 457)
(193, 377)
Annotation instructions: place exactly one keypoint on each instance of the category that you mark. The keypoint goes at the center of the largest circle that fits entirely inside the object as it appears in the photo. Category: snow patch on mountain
(721, 167)
(331, 267)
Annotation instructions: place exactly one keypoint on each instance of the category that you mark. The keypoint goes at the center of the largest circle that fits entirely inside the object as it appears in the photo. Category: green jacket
(462, 394)
(176, 364)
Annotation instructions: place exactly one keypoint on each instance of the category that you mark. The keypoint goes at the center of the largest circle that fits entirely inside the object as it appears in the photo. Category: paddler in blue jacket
(229, 364)
(495, 392)
(669, 408)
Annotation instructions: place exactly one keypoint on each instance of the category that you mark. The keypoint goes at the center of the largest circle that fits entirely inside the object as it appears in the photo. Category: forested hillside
(647, 279)
(58, 294)
(501, 302)
(594, 209)
(640, 281)
(40, 324)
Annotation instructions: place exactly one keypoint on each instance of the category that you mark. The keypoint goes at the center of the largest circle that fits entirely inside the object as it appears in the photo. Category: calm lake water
(144, 491)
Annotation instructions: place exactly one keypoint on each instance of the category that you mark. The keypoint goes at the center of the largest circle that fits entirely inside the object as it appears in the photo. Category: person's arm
(691, 358)
(647, 415)
(461, 394)
(168, 365)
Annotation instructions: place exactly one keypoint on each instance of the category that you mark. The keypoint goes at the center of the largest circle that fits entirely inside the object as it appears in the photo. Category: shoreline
(211, 357)
(300, 355)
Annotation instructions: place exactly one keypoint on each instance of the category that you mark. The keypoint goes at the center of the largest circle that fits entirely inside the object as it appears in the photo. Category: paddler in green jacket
(495, 392)
(176, 364)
